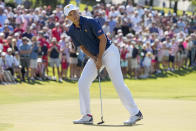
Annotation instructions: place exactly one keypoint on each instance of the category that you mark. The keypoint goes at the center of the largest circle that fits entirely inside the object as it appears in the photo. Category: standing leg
(89, 73)
(111, 60)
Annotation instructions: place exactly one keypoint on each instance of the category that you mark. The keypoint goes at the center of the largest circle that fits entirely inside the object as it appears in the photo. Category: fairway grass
(170, 86)
(159, 115)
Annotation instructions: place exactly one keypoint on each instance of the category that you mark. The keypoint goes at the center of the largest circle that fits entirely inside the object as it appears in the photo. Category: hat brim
(67, 13)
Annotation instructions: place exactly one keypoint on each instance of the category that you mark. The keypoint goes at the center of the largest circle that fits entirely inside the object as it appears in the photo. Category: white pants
(110, 60)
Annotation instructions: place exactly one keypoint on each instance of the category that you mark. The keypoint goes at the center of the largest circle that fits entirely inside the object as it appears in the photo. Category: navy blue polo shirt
(87, 35)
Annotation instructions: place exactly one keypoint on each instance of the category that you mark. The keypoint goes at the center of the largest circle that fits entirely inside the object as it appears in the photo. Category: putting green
(159, 115)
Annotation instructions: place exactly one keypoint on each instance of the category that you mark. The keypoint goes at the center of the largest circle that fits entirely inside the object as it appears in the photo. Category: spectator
(3, 16)
(54, 52)
(147, 64)
(134, 61)
(9, 61)
(73, 61)
(25, 51)
(8, 78)
(64, 67)
(124, 61)
(86, 12)
(17, 66)
(56, 31)
(35, 48)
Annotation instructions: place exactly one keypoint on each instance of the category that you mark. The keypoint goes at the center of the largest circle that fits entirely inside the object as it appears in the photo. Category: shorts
(25, 61)
(165, 58)
(45, 59)
(124, 63)
(159, 58)
(33, 63)
(171, 58)
(134, 63)
(73, 60)
(54, 61)
(64, 65)
(154, 61)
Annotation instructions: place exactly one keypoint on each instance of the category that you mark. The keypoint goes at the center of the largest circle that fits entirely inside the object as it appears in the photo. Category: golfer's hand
(94, 59)
(98, 63)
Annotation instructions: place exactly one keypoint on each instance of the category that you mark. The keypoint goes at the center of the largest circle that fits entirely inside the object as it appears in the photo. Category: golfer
(87, 33)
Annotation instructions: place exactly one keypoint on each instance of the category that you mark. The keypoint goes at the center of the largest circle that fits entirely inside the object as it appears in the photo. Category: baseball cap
(69, 8)
(9, 49)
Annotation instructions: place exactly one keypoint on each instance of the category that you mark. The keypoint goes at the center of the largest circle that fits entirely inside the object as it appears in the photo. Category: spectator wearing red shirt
(5, 45)
(44, 52)
(18, 29)
(64, 66)
(1, 38)
(56, 32)
(124, 61)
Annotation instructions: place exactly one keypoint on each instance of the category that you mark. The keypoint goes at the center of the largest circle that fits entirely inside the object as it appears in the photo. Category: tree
(151, 2)
(194, 4)
(53, 3)
(175, 6)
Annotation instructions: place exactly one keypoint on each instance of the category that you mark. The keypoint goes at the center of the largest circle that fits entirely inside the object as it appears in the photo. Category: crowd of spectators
(33, 42)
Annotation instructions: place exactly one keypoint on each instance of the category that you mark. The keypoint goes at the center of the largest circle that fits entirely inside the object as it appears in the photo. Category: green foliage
(194, 2)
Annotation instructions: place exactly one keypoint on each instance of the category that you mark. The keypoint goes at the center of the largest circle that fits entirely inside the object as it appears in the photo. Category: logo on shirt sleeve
(99, 31)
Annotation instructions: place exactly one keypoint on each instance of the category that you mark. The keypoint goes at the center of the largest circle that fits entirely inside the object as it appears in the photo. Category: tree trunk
(151, 2)
(133, 2)
(176, 7)
(170, 4)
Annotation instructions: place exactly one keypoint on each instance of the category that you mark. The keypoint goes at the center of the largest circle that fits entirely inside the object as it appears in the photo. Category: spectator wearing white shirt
(3, 16)
(147, 65)
(129, 55)
(10, 61)
(114, 13)
(86, 12)
(106, 27)
(8, 77)
(17, 66)
(129, 8)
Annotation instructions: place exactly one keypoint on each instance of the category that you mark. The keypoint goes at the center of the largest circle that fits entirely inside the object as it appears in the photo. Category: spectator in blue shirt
(33, 57)
(154, 29)
(25, 51)
(3, 17)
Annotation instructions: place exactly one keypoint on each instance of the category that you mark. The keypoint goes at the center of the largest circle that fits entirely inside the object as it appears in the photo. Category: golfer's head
(71, 12)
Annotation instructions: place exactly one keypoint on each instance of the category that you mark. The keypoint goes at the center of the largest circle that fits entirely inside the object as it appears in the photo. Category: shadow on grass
(109, 125)
(176, 73)
(164, 74)
(181, 97)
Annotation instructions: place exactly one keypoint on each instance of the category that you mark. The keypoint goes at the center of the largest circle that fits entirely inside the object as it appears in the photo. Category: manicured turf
(179, 85)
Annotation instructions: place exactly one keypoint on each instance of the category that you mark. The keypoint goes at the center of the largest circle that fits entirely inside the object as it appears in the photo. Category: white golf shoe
(133, 119)
(86, 119)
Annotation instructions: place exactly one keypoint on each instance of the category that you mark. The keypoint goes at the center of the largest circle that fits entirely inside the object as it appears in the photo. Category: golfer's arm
(86, 52)
(102, 45)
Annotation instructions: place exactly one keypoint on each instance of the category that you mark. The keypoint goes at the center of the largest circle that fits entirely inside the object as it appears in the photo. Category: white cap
(3, 54)
(69, 8)
(9, 49)
(54, 39)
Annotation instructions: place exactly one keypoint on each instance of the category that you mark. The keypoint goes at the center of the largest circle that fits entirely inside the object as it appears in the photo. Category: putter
(99, 77)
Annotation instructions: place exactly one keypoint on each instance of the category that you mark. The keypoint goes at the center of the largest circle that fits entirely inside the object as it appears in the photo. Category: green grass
(166, 86)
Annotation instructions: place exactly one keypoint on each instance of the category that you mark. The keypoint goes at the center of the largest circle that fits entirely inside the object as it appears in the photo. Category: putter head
(99, 123)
